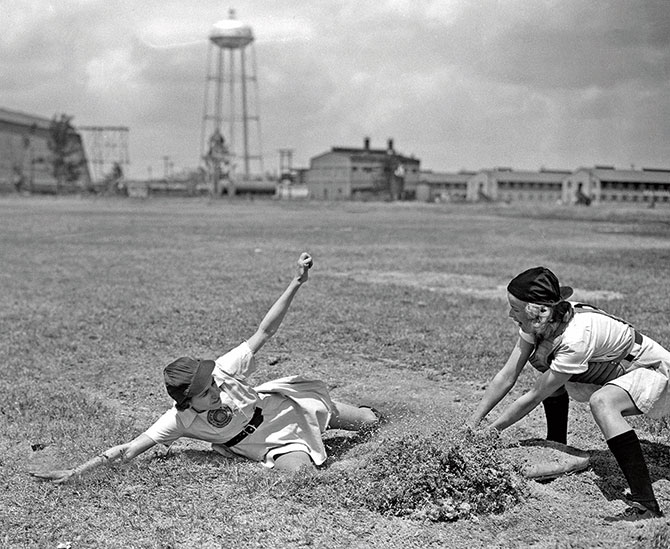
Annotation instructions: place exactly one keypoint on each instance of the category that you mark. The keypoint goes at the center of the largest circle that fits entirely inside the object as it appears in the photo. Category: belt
(249, 428)
(638, 341)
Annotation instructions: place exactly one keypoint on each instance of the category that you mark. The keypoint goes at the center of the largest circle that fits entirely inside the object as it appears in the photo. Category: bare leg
(608, 406)
(351, 418)
(293, 461)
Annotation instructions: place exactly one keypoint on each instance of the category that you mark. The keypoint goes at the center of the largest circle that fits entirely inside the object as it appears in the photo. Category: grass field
(404, 310)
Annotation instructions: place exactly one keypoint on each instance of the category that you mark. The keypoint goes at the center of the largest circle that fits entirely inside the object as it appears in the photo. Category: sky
(460, 84)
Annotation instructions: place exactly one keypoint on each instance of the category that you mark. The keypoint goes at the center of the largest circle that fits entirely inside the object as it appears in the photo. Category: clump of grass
(656, 536)
(439, 477)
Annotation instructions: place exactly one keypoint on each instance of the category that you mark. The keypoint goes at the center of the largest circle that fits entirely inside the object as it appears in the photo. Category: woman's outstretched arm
(503, 381)
(122, 452)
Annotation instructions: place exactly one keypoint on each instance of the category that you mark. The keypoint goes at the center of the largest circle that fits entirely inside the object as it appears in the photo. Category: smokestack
(390, 146)
(366, 143)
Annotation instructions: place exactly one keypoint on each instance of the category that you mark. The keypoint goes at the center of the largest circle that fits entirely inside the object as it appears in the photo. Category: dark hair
(183, 405)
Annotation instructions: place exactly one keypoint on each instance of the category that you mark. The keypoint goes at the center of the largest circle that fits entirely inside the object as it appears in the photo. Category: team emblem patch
(220, 417)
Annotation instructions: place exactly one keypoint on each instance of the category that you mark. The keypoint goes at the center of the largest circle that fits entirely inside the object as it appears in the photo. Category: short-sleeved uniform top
(295, 413)
(599, 349)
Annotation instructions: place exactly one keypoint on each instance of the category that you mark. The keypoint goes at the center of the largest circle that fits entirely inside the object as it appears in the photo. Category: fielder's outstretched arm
(546, 384)
(122, 452)
(503, 381)
(274, 317)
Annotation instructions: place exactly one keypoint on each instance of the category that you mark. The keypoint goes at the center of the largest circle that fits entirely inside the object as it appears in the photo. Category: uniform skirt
(646, 382)
(296, 411)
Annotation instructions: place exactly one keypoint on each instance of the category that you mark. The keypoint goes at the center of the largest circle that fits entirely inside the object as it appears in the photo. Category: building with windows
(607, 184)
(345, 173)
(508, 185)
(25, 158)
(443, 186)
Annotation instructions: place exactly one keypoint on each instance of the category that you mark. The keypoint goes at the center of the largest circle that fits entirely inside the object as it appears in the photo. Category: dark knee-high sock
(556, 412)
(628, 453)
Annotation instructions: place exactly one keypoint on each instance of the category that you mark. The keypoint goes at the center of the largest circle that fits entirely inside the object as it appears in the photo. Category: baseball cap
(538, 285)
(186, 377)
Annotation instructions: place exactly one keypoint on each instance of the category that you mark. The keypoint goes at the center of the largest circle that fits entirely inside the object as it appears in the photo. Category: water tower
(231, 130)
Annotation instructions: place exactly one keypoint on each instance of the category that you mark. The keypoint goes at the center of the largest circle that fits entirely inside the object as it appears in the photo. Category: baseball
(305, 261)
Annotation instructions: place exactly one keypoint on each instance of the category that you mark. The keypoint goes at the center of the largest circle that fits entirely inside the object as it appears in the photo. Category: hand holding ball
(305, 261)
(304, 265)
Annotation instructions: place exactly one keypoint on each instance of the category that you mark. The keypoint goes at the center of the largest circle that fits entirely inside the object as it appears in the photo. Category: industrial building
(25, 158)
(359, 173)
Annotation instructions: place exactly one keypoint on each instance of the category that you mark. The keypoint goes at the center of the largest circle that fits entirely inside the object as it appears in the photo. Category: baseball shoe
(368, 429)
(635, 512)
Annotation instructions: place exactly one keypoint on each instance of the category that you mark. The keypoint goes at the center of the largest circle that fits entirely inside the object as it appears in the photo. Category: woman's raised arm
(274, 317)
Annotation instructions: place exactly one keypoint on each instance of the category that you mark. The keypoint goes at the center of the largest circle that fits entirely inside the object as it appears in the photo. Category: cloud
(576, 44)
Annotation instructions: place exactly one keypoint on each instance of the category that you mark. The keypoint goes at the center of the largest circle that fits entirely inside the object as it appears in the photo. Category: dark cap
(186, 377)
(538, 285)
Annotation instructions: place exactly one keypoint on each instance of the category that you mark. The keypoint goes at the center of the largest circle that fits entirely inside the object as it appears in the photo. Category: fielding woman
(583, 352)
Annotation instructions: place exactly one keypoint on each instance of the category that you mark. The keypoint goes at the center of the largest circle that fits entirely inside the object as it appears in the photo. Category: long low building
(443, 186)
(607, 184)
(600, 184)
(508, 185)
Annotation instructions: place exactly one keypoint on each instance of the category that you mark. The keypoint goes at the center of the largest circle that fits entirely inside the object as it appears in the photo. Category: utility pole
(166, 166)
(286, 164)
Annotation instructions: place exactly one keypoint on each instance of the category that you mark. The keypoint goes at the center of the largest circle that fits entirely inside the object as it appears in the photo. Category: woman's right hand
(57, 477)
(305, 263)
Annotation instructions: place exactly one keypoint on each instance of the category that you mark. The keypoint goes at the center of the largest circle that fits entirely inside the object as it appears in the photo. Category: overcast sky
(461, 84)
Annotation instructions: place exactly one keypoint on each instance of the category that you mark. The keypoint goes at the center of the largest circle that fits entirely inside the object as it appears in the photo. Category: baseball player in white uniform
(278, 423)
(592, 356)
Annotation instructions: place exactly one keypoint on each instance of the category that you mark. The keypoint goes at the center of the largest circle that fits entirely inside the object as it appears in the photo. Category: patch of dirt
(480, 287)
(568, 512)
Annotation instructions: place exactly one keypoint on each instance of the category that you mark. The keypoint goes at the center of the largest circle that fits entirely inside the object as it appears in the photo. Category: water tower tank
(231, 34)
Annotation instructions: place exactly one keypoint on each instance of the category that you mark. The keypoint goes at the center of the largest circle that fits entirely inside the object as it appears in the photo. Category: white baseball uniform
(599, 349)
(295, 413)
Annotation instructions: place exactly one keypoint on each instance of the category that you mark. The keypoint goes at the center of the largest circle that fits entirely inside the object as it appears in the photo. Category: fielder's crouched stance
(595, 357)
(278, 423)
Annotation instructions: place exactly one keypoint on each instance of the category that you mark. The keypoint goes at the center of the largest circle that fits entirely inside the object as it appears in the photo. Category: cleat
(635, 512)
(381, 419)
(368, 429)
